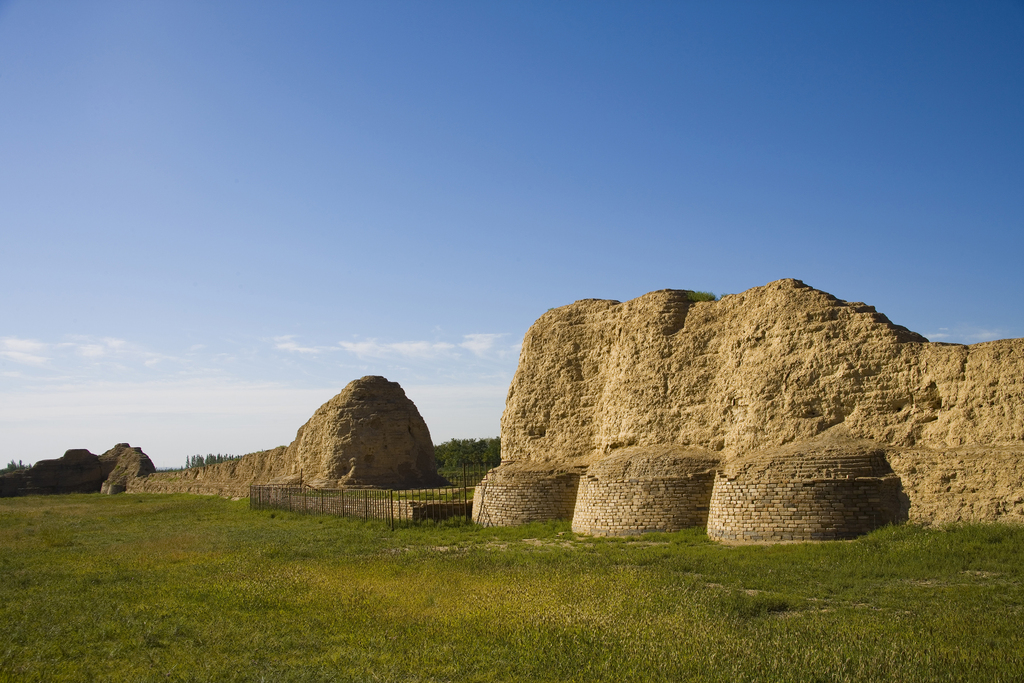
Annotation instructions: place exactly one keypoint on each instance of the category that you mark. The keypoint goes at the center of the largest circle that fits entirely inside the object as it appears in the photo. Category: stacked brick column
(810, 499)
(627, 507)
(507, 496)
(825, 490)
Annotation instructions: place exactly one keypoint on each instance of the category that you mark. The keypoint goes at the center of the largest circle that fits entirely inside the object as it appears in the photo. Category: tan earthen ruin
(825, 420)
(369, 435)
(781, 413)
(79, 471)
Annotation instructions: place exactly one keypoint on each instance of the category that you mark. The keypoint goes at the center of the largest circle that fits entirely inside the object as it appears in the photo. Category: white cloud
(171, 419)
(421, 349)
(116, 344)
(24, 358)
(108, 347)
(480, 344)
(287, 343)
(25, 345)
(93, 392)
(92, 350)
(81, 355)
(413, 349)
(23, 351)
(967, 334)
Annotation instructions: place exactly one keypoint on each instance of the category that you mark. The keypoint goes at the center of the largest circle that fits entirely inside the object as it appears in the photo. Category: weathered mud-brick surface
(775, 365)
(511, 495)
(640, 489)
(121, 464)
(79, 471)
(824, 490)
(227, 479)
(962, 484)
(370, 434)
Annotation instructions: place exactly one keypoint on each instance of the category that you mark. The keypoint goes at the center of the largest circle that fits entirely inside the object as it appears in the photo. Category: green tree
(14, 466)
(208, 459)
(457, 452)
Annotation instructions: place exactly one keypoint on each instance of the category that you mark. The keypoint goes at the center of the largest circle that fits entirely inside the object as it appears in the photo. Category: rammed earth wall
(770, 367)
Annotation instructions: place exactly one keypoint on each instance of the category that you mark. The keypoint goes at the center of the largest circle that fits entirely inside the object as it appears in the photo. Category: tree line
(14, 466)
(458, 452)
(208, 459)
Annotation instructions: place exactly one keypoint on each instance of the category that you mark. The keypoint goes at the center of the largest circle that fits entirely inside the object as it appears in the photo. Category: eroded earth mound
(79, 471)
(371, 434)
(122, 463)
(775, 365)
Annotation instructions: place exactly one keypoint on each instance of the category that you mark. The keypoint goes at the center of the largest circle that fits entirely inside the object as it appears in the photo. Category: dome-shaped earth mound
(370, 434)
(121, 464)
(79, 471)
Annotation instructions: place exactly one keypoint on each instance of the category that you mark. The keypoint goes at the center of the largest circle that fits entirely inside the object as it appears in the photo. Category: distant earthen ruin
(79, 471)
(369, 435)
(781, 413)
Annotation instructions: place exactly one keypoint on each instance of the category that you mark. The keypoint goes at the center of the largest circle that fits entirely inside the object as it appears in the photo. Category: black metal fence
(465, 475)
(393, 506)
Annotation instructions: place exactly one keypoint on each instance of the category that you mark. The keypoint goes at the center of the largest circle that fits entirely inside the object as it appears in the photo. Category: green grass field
(183, 588)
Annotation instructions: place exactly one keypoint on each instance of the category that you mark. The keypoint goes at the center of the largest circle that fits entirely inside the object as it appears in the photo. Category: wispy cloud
(167, 418)
(90, 350)
(88, 347)
(171, 418)
(113, 348)
(287, 343)
(480, 344)
(96, 391)
(23, 351)
(371, 348)
(967, 334)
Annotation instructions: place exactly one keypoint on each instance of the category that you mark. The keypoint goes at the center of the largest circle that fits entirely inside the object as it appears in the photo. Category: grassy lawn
(178, 587)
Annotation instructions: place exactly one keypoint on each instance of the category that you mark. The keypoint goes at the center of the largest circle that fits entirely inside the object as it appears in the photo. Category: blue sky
(215, 215)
